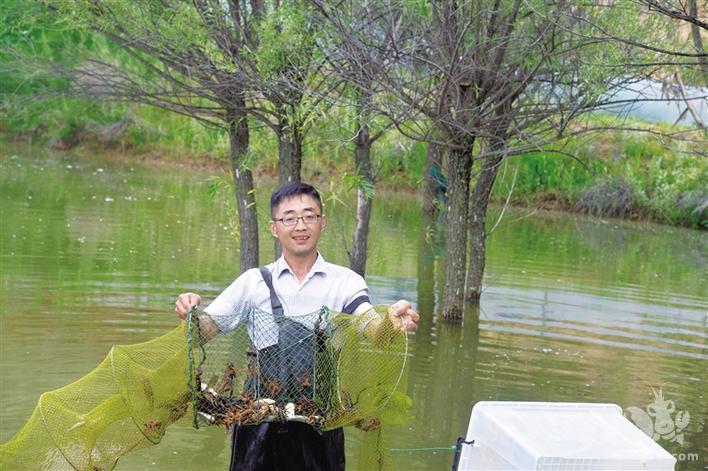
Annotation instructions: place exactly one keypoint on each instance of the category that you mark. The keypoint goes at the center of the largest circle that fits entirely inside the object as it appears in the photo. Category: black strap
(351, 307)
(277, 307)
(275, 304)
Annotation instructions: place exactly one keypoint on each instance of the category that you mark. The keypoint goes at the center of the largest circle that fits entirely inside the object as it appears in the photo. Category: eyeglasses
(292, 220)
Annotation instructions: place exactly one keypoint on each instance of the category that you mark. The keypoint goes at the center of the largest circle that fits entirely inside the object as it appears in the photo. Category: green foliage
(287, 40)
(33, 94)
(399, 161)
(360, 183)
(666, 185)
(544, 172)
(65, 122)
(220, 189)
(420, 8)
(31, 32)
(625, 174)
(670, 186)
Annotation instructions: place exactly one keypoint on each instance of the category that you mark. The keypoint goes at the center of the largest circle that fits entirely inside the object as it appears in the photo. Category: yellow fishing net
(326, 368)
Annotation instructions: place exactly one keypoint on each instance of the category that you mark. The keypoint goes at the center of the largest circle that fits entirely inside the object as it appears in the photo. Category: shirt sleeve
(363, 307)
(232, 306)
(358, 287)
(365, 311)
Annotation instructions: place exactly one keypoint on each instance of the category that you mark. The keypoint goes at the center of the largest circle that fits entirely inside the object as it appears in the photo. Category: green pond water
(576, 309)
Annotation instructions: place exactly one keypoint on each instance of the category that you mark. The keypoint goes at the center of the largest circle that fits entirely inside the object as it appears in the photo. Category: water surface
(93, 253)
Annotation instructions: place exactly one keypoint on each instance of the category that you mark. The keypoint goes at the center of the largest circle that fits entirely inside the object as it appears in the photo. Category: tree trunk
(290, 154)
(432, 185)
(245, 197)
(478, 235)
(289, 160)
(362, 158)
(459, 169)
(698, 41)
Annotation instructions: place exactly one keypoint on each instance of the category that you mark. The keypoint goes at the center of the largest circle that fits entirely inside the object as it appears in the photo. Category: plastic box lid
(558, 436)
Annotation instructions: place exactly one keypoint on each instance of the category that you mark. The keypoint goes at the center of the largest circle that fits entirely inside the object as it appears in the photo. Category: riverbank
(628, 175)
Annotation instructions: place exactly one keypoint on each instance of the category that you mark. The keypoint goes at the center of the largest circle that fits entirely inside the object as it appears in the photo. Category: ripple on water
(597, 320)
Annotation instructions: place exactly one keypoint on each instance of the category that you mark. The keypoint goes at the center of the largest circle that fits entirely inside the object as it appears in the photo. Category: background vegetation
(664, 185)
(623, 174)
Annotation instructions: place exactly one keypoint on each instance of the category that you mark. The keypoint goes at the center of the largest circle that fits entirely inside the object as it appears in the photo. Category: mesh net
(321, 368)
(123, 404)
(326, 369)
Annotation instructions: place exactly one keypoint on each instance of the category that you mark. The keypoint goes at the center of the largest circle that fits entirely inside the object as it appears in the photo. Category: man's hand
(207, 326)
(184, 302)
(404, 316)
(400, 317)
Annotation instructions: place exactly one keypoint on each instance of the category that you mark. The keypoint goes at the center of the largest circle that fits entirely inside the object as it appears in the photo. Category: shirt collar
(320, 266)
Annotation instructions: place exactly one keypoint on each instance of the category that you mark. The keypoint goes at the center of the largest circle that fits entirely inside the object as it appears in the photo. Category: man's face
(300, 239)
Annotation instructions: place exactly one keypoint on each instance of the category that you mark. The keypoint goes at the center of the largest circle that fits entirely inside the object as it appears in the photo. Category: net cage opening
(321, 368)
(318, 368)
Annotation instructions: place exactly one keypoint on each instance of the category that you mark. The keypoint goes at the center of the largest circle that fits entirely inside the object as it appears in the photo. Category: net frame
(328, 406)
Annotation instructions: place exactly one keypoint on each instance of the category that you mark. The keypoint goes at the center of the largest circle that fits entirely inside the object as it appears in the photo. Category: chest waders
(285, 372)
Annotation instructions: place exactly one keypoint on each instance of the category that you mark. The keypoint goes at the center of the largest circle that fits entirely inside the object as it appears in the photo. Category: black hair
(293, 189)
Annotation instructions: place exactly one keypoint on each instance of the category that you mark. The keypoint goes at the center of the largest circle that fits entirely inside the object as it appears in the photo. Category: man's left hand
(404, 316)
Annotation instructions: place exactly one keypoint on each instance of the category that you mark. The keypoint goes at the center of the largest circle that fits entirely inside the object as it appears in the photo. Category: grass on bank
(615, 174)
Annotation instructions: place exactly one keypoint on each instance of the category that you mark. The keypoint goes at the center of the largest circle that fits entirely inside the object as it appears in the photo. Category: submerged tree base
(453, 313)
(473, 295)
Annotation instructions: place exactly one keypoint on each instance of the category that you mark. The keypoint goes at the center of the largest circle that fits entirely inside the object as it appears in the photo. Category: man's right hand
(184, 302)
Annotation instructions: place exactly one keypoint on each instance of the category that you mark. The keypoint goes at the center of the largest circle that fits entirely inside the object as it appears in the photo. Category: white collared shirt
(326, 284)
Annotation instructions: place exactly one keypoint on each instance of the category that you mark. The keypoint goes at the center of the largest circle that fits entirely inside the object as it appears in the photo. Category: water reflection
(574, 308)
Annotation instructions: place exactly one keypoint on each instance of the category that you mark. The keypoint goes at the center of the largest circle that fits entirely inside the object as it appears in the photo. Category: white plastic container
(558, 436)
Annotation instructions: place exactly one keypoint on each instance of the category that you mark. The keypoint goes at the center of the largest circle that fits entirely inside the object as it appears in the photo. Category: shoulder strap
(351, 307)
(275, 304)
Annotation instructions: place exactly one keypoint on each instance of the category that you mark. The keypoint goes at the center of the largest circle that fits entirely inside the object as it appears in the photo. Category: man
(301, 281)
